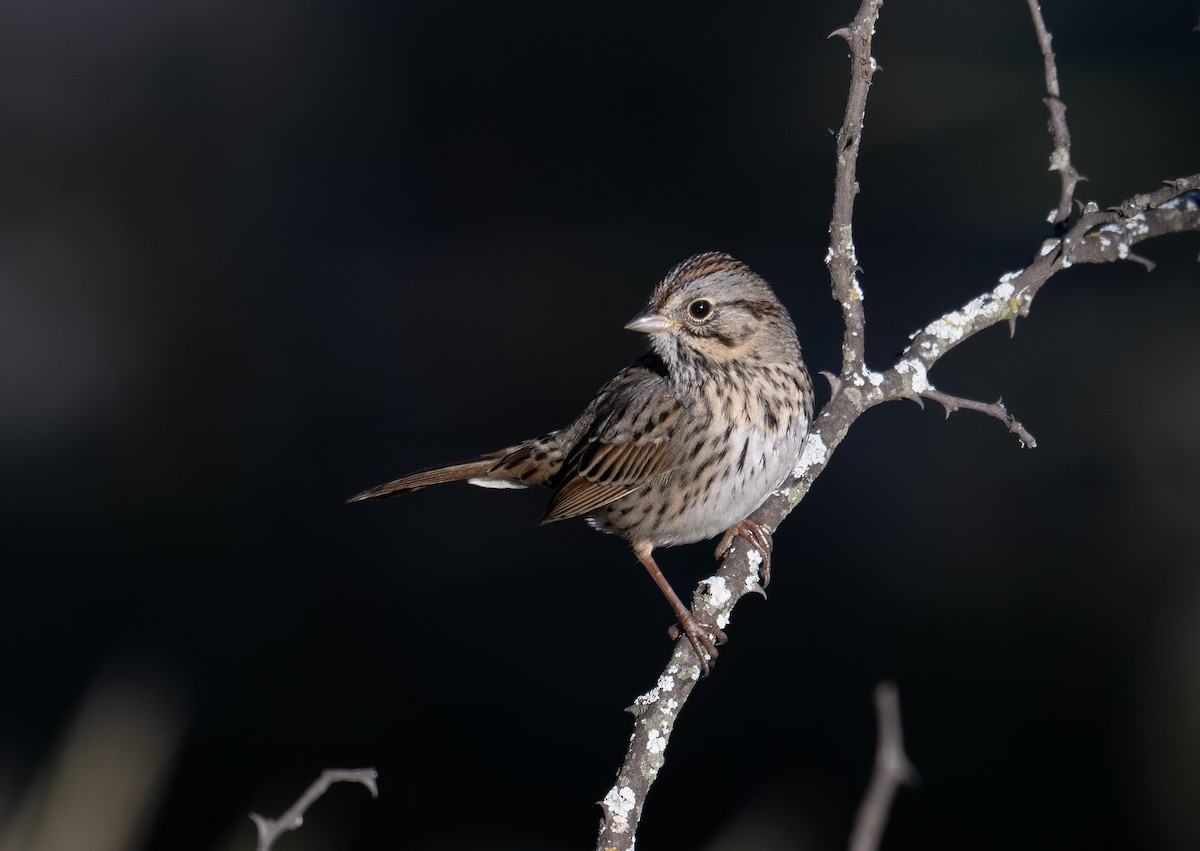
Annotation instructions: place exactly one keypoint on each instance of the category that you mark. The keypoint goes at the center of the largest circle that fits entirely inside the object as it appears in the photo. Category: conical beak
(649, 321)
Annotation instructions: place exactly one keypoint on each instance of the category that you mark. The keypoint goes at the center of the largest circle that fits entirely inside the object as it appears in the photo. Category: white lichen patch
(1138, 225)
(754, 559)
(666, 683)
(1190, 201)
(920, 380)
(856, 293)
(930, 348)
(648, 699)
(718, 591)
(954, 325)
(656, 742)
(1121, 231)
(722, 620)
(1049, 245)
(862, 379)
(813, 452)
(619, 802)
(949, 328)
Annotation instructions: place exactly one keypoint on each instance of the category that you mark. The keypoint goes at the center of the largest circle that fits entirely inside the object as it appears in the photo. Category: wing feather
(626, 445)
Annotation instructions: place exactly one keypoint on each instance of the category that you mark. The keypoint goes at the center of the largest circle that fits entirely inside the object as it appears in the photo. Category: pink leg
(698, 634)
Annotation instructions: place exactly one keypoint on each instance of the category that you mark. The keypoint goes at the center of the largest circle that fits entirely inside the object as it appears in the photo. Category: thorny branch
(269, 830)
(842, 259)
(1060, 159)
(1097, 236)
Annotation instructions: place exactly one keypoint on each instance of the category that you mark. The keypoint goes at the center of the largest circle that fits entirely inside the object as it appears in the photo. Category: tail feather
(415, 481)
(515, 467)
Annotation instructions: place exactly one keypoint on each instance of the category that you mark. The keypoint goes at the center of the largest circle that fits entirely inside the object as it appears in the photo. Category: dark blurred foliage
(257, 257)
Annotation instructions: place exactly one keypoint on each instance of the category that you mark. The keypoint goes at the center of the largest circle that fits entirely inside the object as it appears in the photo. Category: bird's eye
(700, 310)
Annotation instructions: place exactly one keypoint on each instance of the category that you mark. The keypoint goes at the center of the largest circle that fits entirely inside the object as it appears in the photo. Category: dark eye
(700, 309)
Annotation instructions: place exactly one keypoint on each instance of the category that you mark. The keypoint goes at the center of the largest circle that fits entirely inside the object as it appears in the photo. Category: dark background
(257, 257)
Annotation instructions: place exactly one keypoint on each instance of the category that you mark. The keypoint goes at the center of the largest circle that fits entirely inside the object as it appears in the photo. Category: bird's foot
(758, 537)
(704, 638)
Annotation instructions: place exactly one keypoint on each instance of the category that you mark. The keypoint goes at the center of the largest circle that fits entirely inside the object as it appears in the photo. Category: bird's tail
(514, 467)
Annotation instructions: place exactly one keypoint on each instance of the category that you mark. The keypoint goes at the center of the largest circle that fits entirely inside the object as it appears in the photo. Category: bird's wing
(623, 443)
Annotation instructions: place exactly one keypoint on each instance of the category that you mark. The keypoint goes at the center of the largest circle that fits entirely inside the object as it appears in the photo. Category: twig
(842, 258)
(1097, 237)
(892, 770)
(269, 830)
(994, 409)
(1060, 160)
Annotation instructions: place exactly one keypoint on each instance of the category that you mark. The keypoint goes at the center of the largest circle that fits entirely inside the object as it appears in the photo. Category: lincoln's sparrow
(685, 442)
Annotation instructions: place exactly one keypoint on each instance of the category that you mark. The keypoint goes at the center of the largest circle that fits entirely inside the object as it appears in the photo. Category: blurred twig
(892, 770)
(270, 830)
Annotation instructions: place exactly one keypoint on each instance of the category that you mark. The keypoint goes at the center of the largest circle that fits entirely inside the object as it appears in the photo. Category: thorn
(1012, 326)
(1137, 258)
(843, 32)
(835, 383)
(915, 397)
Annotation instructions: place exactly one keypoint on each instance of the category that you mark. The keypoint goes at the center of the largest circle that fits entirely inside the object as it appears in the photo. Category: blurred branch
(269, 830)
(1096, 237)
(112, 763)
(892, 770)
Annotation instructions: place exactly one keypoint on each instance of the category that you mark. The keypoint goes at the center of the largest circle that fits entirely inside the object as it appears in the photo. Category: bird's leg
(704, 644)
(759, 538)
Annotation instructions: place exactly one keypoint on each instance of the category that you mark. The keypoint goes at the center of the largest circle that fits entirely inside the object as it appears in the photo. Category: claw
(758, 537)
(704, 638)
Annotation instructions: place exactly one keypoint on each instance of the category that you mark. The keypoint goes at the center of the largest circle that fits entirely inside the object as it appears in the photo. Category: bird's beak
(649, 321)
